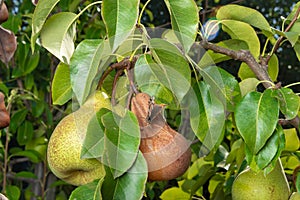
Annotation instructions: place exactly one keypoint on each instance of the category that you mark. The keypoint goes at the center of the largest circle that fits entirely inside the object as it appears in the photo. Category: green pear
(295, 196)
(250, 185)
(64, 148)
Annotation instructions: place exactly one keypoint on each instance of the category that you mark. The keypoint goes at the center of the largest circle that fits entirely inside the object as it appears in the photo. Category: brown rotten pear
(166, 151)
(66, 141)
(3, 13)
(4, 116)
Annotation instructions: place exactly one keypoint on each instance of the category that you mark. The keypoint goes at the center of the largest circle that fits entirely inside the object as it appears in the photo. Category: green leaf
(297, 49)
(149, 80)
(31, 154)
(91, 191)
(84, 66)
(184, 20)
(13, 192)
(212, 58)
(248, 85)
(294, 10)
(129, 186)
(207, 115)
(122, 140)
(93, 145)
(61, 85)
(292, 37)
(244, 14)
(58, 39)
(120, 18)
(274, 146)
(25, 174)
(223, 84)
(41, 12)
(256, 117)
(273, 69)
(172, 70)
(292, 142)
(25, 133)
(243, 31)
(174, 193)
(289, 102)
(17, 119)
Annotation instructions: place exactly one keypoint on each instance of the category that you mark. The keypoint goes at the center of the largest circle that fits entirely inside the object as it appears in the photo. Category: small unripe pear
(66, 141)
(250, 185)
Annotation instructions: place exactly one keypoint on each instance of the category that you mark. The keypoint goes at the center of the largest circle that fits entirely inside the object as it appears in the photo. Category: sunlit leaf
(61, 85)
(58, 40)
(122, 140)
(243, 31)
(256, 117)
(93, 145)
(84, 66)
(289, 102)
(91, 191)
(184, 20)
(41, 12)
(244, 14)
(120, 18)
(174, 193)
(248, 85)
(292, 142)
(129, 186)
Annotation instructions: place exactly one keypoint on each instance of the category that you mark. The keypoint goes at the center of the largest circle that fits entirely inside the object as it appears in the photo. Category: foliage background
(26, 82)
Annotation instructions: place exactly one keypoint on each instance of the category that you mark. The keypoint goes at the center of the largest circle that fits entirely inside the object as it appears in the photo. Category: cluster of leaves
(231, 120)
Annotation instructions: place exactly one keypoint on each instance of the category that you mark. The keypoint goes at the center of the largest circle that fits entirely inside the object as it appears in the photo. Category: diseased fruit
(65, 144)
(166, 151)
(4, 116)
(3, 13)
(249, 185)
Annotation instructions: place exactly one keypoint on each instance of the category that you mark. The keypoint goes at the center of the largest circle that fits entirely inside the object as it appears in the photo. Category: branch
(244, 56)
(281, 38)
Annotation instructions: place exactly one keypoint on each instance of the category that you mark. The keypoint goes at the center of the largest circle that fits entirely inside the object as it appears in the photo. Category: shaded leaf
(13, 192)
(122, 140)
(58, 40)
(31, 154)
(243, 31)
(129, 186)
(184, 20)
(17, 119)
(25, 133)
(244, 14)
(289, 102)
(207, 115)
(120, 18)
(26, 174)
(172, 70)
(212, 58)
(91, 191)
(41, 12)
(8, 45)
(61, 85)
(256, 117)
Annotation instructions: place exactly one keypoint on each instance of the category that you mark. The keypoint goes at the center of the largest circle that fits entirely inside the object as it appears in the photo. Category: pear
(66, 141)
(4, 116)
(3, 13)
(295, 196)
(166, 152)
(250, 185)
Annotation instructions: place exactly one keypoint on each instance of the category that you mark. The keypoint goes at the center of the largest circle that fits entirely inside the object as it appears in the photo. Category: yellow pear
(66, 141)
(250, 185)
(295, 196)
